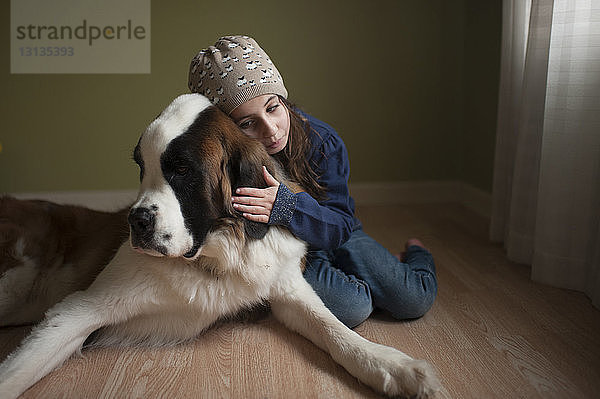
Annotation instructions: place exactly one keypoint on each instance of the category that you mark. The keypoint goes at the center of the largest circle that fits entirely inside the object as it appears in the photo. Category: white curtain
(546, 193)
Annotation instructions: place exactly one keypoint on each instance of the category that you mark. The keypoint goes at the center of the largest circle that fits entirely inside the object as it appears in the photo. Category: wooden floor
(492, 333)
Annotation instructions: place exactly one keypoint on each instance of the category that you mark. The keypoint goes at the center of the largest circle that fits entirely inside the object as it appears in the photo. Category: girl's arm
(324, 225)
(328, 224)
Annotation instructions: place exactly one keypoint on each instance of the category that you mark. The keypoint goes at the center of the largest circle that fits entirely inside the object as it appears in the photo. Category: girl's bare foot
(413, 241)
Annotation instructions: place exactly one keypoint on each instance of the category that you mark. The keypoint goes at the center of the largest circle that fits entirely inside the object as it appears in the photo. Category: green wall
(483, 27)
(410, 86)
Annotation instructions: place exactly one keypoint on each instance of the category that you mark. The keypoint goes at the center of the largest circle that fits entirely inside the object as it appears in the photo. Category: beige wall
(410, 86)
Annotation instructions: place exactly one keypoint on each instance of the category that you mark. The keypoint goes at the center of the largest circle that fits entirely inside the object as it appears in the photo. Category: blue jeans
(362, 275)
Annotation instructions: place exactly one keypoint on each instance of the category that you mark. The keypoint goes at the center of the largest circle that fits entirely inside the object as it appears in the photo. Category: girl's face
(266, 119)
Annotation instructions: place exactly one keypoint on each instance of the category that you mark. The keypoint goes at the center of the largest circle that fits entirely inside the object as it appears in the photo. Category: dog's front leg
(65, 328)
(50, 343)
(383, 368)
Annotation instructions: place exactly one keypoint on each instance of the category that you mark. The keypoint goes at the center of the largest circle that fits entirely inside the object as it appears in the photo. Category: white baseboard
(476, 199)
(380, 193)
(99, 200)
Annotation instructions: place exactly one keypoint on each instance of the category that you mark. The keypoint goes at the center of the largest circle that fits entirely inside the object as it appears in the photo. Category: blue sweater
(328, 224)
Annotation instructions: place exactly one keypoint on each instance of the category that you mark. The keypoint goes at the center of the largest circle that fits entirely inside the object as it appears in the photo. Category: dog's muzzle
(142, 222)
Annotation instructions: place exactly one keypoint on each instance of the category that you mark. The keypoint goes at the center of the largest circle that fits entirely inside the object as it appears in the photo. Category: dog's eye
(181, 170)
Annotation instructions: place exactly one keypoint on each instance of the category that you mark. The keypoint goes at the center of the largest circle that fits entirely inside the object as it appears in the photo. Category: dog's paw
(396, 374)
(411, 379)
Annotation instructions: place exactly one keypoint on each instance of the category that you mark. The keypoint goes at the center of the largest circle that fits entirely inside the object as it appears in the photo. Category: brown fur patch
(224, 147)
(52, 234)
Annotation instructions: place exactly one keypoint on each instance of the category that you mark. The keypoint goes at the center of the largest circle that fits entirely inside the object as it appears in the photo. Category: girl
(349, 270)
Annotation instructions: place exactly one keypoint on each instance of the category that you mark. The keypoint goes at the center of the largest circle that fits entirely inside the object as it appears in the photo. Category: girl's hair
(295, 156)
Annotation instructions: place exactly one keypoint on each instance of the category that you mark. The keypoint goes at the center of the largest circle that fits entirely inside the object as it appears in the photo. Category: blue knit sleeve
(326, 224)
(284, 206)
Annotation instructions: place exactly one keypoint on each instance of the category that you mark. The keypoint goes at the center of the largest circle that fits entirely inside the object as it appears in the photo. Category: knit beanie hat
(234, 71)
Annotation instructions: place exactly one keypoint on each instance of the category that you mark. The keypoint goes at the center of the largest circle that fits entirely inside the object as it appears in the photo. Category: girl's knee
(413, 305)
(347, 297)
(357, 312)
(351, 306)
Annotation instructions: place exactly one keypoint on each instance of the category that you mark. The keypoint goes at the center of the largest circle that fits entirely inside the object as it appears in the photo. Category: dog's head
(192, 158)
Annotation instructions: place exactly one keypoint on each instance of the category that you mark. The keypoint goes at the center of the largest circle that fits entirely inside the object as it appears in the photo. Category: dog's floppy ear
(245, 170)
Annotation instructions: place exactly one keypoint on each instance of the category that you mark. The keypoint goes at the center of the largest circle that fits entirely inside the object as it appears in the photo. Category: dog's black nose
(141, 220)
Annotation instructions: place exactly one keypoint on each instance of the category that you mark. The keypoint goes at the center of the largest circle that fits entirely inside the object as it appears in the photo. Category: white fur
(154, 189)
(138, 299)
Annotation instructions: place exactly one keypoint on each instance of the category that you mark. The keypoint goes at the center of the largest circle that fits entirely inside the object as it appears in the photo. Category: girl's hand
(256, 203)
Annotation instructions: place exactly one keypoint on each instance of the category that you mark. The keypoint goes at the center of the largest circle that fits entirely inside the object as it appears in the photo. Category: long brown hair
(294, 156)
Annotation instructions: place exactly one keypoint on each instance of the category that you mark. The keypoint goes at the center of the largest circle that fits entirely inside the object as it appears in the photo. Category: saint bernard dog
(191, 260)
